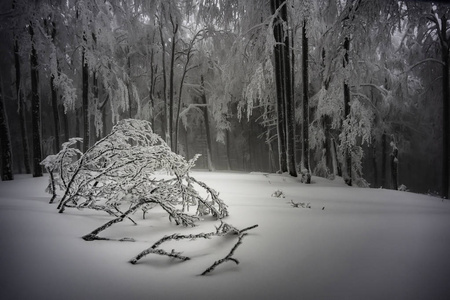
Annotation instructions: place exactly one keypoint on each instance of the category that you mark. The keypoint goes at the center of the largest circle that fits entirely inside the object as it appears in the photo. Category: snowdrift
(351, 244)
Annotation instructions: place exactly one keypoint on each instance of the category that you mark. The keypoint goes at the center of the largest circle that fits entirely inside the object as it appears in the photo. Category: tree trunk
(347, 154)
(280, 109)
(445, 110)
(207, 129)
(394, 166)
(129, 85)
(55, 98)
(21, 109)
(383, 160)
(334, 159)
(375, 165)
(306, 173)
(228, 141)
(289, 101)
(180, 102)
(85, 104)
(35, 108)
(186, 142)
(172, 62)
(165, 117)
(6, 154)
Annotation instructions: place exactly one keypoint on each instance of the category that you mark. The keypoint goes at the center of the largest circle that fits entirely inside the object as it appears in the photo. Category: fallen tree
(131, 168)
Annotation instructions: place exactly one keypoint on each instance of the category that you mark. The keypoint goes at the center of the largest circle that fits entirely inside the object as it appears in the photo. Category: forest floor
(352, 243)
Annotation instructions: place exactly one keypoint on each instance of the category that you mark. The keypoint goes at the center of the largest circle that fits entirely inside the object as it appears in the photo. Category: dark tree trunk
(207, 129)
(336, 170)
(85, 104)
(394, 167)
(186, 142)
(280, 108)
(347, 154)
(129, 86)
(180, 101)
(306, 173)
(228, 145)
(35, 108)
(21, 110)
(289, 101)
(5, 141)
(171, 84)
(65, 121)
(383, 159)
(445, 110)
(55, 99)
(375, 165)
(165, 117)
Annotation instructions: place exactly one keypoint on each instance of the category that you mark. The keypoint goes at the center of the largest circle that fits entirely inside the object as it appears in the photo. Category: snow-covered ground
(352, 244)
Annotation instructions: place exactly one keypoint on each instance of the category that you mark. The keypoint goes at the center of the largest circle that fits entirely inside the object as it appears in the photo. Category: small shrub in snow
(278, 194)
(300, 204)
(59, 166)
(119, 171)
(403, 188)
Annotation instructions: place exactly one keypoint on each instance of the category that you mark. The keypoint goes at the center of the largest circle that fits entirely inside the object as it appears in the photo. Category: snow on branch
(221, 230)
(122, 172)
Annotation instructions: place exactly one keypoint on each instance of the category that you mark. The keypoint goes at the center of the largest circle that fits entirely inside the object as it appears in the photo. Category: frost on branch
(119, 175)
(222, 230)
(59, 166)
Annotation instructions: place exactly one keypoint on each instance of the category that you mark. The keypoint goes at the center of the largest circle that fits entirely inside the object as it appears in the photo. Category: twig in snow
(226, 258)
(300, 204)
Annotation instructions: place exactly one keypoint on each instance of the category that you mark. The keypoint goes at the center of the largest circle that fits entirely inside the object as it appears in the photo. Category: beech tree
(5, 141)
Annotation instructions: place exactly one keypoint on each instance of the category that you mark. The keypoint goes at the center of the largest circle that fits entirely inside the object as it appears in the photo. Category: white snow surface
(364, 244)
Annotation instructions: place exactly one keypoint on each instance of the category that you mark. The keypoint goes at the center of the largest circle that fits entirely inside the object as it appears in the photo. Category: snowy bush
(119, 171)
(59, 166)
(403, 188)
(278, 194)
(300, 204)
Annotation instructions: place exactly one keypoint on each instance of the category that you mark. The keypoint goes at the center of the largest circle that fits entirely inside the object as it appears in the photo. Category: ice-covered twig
(226, 258)
(221, 230)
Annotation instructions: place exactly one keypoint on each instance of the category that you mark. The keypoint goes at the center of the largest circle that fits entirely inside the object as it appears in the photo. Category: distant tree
(20, 98)
(285, 101)
(5, 142)
(306, 170)
(35, 105)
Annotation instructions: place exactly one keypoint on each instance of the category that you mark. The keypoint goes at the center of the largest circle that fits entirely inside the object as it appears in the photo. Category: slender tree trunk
(445, 110)
(347, 154)
(306, 173)
(21, 110)
(336, 170)
(228, 145)
(35, 108)
(55, 98)
(375, 165)
(65, 122)
(186, 142)
(5, 141)
(394, 166)
(129, 85)
(152, 87)
(85, 104)
(280, 110)
(171, 83)
(77, 115)
(383, 159)
(165, 117)
(180, 103)
(207, 129)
